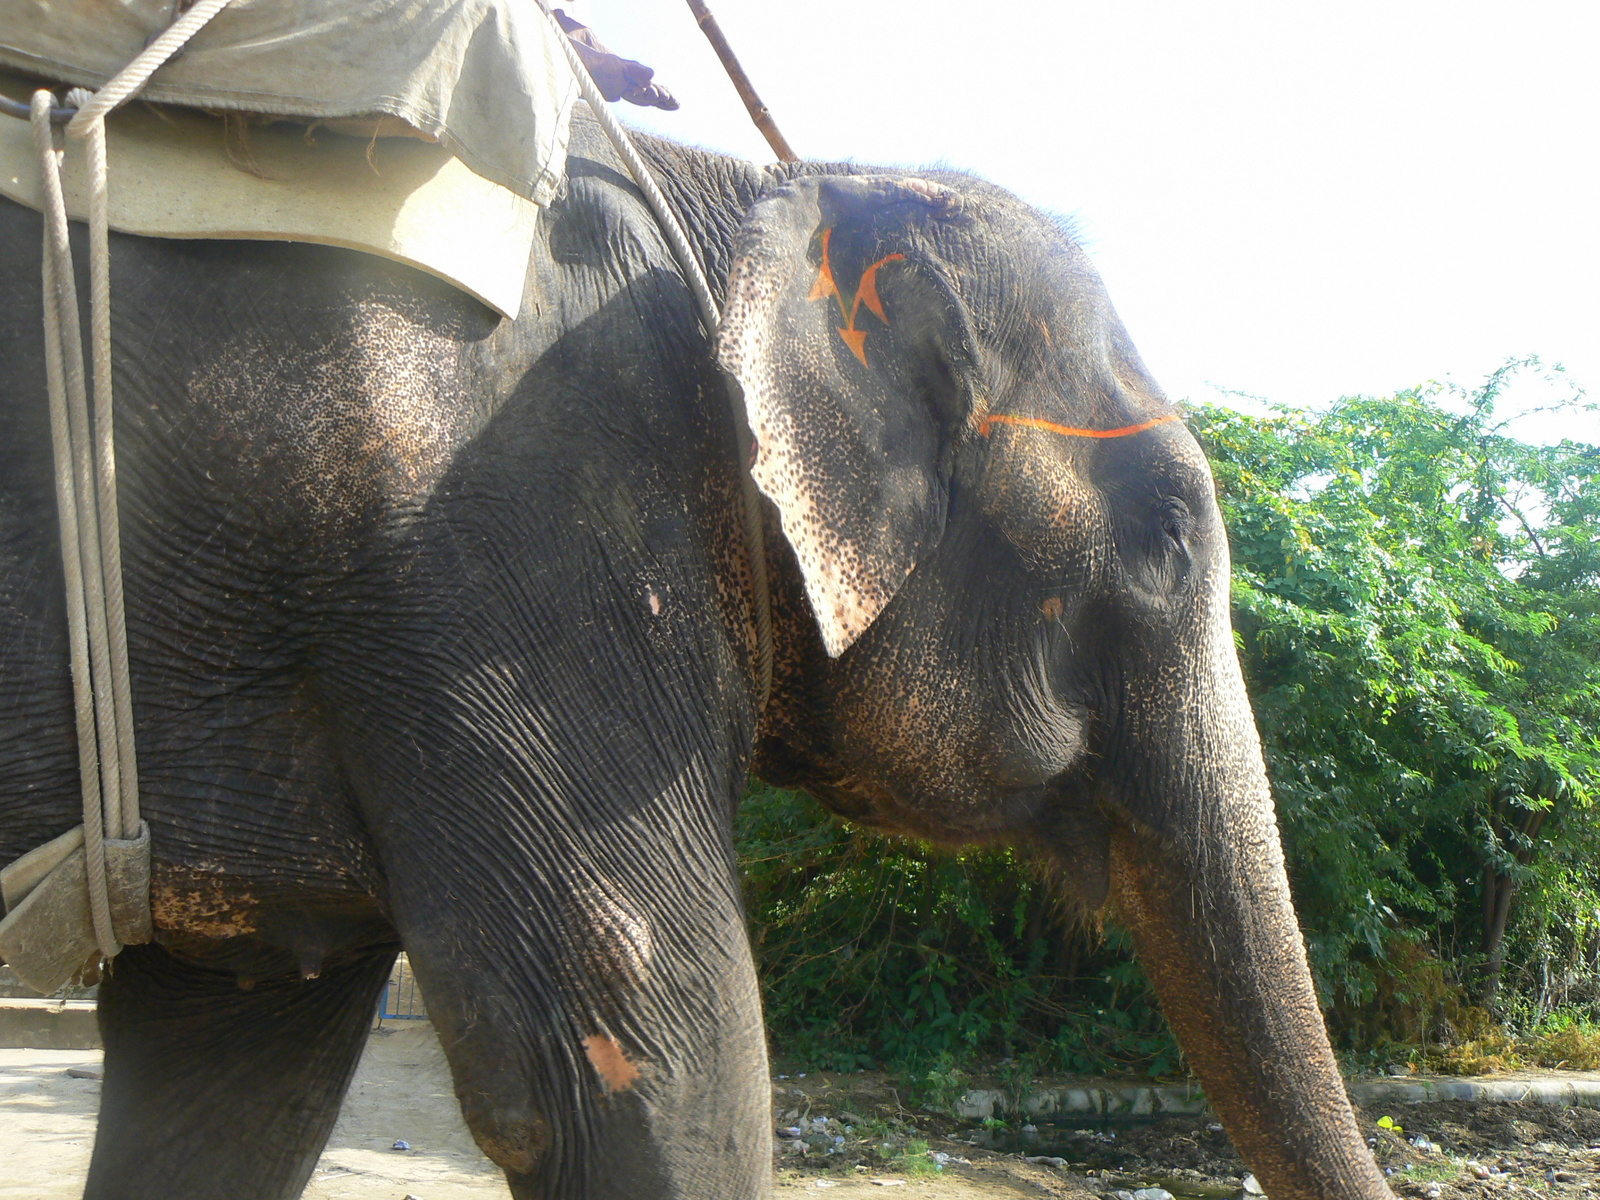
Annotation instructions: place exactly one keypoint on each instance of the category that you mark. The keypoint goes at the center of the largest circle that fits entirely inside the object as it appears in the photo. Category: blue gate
(401, 1001)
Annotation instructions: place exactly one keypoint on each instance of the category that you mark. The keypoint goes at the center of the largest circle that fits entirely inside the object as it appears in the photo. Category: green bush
(875, 951)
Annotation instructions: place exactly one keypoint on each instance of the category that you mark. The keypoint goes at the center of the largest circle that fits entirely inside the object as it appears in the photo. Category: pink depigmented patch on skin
(616, 1072)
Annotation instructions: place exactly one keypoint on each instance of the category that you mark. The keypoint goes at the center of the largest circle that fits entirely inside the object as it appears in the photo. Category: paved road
(401, 1091)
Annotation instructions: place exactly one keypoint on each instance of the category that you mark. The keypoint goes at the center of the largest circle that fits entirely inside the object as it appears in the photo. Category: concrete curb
(1135, 1100)
(48, 1024)
(1574, 1093)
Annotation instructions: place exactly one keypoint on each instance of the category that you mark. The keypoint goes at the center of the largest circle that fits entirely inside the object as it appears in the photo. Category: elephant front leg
(549, 771)
(595, 996)
(215, 1091)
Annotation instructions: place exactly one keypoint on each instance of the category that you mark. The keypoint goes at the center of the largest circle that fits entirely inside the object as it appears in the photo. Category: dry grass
(1483, 1048)
(1576, 1048)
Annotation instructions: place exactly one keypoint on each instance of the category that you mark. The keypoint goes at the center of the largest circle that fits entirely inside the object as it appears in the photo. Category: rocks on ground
(843, 1127)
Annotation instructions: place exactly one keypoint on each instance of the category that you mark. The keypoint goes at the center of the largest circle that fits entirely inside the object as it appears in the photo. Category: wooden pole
(758, 111)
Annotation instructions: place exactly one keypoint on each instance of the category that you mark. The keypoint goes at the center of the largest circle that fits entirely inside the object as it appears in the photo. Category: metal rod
(16, 108)
(759, 113)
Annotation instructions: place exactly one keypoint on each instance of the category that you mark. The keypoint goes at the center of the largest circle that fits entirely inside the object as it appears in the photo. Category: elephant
(459, 634)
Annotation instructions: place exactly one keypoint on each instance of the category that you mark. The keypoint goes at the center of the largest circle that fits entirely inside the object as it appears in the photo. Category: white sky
(1292, 200)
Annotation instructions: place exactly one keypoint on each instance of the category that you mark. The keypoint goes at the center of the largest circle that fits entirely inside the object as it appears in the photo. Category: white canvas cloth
(485, 77)
(176, 174)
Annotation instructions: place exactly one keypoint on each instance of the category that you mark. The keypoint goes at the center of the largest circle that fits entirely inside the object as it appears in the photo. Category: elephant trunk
(1197, 872)
(1246, 1015)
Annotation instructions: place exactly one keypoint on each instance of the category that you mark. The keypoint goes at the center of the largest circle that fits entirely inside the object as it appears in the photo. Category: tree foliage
(877, 951)
(1417, 604)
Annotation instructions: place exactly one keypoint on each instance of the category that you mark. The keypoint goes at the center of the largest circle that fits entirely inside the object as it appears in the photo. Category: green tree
(1417, 603)
(875, 951)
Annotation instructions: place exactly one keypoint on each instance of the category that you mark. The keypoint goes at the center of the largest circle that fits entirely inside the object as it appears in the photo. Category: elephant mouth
(864, 802)
(1028, 816)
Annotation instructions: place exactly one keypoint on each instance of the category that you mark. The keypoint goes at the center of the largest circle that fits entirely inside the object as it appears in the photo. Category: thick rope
(122, 808)
(683, 250)
(122, 804)
(89, 539)
(86, 471)
(64, 375)
(677, 239)
(145, 64)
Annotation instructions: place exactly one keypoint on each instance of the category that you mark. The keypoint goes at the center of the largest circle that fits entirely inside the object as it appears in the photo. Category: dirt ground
(1435, 1151)
(862, 1142)
(401, 1092)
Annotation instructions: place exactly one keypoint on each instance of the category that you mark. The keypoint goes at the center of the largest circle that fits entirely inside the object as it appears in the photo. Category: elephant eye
(1176, 522)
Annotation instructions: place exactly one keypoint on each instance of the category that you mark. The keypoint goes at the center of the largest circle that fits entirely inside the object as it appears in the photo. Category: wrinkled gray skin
(442, 636)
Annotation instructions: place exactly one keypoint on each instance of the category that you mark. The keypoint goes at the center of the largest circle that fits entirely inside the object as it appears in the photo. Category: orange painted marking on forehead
(824, 286)
(985, 423)
(866, 293)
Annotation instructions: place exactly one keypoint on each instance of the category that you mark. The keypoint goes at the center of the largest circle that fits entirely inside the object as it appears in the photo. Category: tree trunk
(1498, 890)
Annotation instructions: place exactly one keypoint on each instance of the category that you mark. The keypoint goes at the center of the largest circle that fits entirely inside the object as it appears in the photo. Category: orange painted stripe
(824, 285)
(866, 293)
(985, 423)
(867, 290)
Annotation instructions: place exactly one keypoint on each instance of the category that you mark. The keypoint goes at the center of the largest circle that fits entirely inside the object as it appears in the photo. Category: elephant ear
(855, 357)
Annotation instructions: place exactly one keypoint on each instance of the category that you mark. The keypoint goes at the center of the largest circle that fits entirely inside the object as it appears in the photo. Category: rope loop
(86, 471)
(126, 82)
(76, 507)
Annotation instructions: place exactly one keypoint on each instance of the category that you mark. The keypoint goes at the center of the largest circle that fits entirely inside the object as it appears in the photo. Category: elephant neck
(711, 193)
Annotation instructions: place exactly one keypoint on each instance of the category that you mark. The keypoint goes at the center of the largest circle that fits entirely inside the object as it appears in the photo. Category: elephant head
(1001, 598)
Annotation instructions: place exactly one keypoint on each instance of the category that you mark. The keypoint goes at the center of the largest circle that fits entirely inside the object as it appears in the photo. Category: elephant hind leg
(212, 1090)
